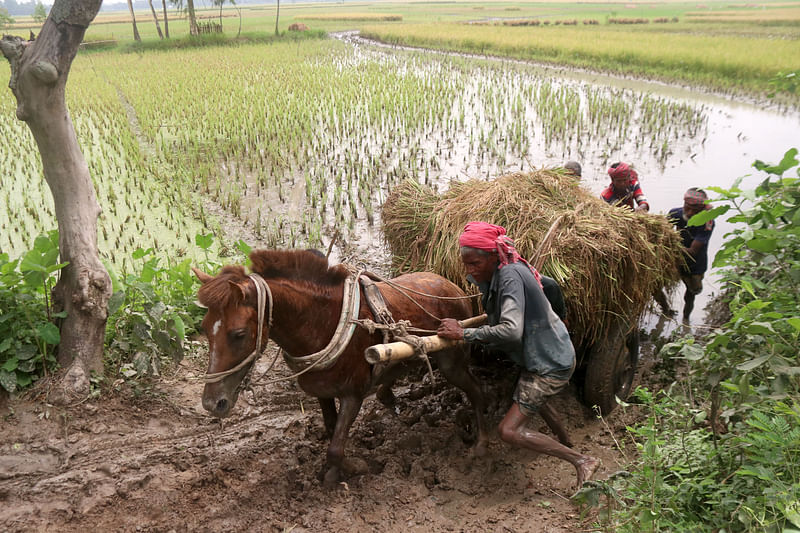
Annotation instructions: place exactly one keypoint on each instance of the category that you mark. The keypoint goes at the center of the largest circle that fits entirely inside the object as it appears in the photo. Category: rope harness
(348, 320)
(264, 295)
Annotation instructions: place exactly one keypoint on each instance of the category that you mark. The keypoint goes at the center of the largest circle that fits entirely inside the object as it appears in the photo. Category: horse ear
(239, 290)
(202, 276)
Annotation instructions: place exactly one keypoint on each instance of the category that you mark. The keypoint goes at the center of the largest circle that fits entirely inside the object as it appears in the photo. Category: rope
(327, 357)
(419, 350)
(264, 293)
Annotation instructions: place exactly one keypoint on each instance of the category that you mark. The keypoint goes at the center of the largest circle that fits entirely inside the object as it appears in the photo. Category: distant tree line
(19, 9)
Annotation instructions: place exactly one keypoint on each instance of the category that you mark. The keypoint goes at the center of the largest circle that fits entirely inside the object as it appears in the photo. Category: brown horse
(306, 298)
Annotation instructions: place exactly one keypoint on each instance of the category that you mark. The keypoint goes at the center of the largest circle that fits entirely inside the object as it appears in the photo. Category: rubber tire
(611, 369)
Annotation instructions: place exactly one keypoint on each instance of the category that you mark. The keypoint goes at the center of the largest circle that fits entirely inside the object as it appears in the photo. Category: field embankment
(729, 63)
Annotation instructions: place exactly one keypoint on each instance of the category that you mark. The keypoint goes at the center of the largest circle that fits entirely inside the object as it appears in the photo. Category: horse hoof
(331, 479)
(386, 396)
(480, 449)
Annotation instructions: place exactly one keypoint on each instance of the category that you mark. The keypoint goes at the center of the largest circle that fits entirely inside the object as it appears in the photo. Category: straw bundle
(608, 260)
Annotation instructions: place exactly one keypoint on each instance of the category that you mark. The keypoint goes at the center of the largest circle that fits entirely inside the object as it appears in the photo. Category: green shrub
(28, 334)
(724, 453)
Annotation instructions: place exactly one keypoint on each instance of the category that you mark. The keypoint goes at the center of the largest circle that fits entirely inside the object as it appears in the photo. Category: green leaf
(794, 322)
(753, 363)
(53, 268)
(23, 379)
(709, 214)
(139, 253)
(176, 324)
(691, 352)
(762, 245)
(786, 163)
(760, 328)
(49, 333)
(5, 344)
(244, 247)
(115, 302)
(204, 241)
(8, 380)
(11, 364)
(27, 351)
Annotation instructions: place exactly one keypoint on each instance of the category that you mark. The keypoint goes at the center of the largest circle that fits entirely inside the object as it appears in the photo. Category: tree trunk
(166, 22)
(192, 19)
(39, 71)
(155, 18)
(277, 16)
(136, 36)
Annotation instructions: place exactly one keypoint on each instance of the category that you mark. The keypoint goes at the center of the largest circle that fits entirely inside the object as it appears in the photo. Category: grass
(723, 62)
(716, 44)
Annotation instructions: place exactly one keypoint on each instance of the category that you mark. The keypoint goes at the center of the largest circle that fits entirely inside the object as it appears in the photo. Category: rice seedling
(303, 140)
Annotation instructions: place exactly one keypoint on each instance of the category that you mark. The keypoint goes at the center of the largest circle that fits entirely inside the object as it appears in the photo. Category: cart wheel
(611, 368)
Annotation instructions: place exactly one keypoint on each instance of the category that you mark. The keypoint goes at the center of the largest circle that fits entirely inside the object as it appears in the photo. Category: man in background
(625, 188)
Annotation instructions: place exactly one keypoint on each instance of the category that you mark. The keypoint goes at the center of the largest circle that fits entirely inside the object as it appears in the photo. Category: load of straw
(609, 261)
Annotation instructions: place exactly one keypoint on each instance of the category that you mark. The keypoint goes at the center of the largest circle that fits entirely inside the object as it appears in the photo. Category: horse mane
(217, 291)
(302, 265)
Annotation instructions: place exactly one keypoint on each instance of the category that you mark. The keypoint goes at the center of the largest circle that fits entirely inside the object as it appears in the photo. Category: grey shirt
(522, 323)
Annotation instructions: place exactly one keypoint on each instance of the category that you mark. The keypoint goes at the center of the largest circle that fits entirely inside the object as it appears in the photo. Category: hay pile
(608, 260)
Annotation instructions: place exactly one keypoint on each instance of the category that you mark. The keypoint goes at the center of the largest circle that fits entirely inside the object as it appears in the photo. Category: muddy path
(145, 457)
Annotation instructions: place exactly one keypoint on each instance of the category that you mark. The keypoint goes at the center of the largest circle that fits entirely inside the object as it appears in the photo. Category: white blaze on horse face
(214, 331)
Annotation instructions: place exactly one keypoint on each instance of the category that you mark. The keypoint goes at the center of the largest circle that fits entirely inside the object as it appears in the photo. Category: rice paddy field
(301, 142)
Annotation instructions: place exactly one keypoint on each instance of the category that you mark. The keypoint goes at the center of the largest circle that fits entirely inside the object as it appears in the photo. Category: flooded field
(675, 137)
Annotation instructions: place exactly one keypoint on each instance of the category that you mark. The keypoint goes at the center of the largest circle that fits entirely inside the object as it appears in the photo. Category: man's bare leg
(555, 425)
(513, 431)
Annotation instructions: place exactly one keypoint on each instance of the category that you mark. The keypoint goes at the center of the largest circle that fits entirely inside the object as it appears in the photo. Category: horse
(305, 296)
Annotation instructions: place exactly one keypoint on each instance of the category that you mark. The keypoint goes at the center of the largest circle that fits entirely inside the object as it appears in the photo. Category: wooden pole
(396, 351)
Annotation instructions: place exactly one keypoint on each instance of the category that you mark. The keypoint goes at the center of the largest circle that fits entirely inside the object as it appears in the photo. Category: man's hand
(449, 328)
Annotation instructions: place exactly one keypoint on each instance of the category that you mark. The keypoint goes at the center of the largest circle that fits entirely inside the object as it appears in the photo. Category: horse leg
(349, 406)
(453, 366)
(329, 416)
(385, 380)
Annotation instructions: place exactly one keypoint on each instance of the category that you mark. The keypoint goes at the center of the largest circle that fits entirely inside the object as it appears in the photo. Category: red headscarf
(623, 170)
(493, 238)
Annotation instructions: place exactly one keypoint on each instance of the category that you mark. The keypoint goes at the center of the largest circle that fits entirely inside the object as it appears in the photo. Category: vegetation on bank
(721, 62)
(720, 448)
(723, 46)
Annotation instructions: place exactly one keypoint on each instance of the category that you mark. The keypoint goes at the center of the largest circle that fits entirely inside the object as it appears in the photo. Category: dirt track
(151, 460)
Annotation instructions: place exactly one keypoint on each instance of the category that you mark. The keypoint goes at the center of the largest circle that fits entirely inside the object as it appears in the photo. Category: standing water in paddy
(676, 138)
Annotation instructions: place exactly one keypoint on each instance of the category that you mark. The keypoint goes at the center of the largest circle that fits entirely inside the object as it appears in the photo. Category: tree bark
(192, 19)
(166, 21)
(136, 36)
(277, 16)
(155, 18)
(39, 72)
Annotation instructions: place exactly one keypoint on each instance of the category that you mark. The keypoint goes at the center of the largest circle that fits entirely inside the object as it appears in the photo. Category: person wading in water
(522, 325)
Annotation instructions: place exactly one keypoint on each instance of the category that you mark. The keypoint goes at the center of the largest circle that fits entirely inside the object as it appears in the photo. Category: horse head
(231, 325)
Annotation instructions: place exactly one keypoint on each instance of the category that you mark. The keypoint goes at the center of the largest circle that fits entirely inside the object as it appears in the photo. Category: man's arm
(509, 329)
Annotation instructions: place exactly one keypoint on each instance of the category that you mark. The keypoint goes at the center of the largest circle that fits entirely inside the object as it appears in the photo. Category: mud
(145, 457)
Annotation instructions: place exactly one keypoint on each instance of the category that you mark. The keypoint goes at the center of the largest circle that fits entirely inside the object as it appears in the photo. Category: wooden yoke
(396, 351)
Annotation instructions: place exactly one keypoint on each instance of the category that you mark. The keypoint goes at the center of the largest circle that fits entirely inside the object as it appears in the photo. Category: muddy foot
(586, 469)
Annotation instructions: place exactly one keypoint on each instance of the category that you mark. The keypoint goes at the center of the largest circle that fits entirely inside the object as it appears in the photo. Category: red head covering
(696, 197)
(622, 170)
(493, 238)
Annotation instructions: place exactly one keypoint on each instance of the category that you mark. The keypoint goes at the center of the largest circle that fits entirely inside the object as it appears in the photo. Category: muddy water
(730, 136)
